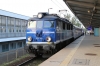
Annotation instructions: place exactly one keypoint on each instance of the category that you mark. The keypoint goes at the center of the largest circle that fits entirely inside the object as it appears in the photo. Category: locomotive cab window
(32, 24)
(48, 24)
(35, 24)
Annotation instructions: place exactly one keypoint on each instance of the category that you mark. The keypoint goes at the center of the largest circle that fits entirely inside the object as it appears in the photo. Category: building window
(2, 29)
(3, 21)
(22, 22)
(0, 21)
(5, 47)
(9, 29)
(17, 23)
(12, 46)
(9, 21)
(24, 43)
(19, 44)
(25, 24)
(12, 21)
(13, 29)
(17, 29)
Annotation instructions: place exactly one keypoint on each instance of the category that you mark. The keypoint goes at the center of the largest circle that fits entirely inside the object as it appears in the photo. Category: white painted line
(70, 55)
(48, 32)
(31, 32)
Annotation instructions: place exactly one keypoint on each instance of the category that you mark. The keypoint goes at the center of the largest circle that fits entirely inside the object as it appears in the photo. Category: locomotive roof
(50, 17)
(47, 17)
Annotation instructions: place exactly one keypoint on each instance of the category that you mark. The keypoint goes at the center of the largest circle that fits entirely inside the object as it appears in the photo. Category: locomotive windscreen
(48, 24)
(35, 24)
(32, 24)
(41, 24)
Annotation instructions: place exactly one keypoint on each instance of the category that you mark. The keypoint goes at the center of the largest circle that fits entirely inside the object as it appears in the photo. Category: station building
(12, 30)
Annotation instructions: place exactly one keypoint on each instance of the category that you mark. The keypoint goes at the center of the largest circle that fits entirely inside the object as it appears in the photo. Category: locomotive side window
(60, 25)
(67, 26)
(63, 26)
(48, 24)
(32, 24)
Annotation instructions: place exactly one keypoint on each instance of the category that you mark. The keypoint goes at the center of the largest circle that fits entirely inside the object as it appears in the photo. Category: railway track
(27, 61)
(30, 61)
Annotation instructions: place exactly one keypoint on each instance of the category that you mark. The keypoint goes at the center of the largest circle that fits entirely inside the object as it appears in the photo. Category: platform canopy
(87, 11)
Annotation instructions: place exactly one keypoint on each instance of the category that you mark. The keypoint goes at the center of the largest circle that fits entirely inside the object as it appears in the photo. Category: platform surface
(84, 51)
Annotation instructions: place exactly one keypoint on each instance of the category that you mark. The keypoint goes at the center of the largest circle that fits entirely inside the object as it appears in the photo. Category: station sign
(89, 28)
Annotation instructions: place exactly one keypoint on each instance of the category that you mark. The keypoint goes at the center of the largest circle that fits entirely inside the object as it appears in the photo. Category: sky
(32, 7)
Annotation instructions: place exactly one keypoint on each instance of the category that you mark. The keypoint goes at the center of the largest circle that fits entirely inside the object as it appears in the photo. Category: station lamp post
(49, 9)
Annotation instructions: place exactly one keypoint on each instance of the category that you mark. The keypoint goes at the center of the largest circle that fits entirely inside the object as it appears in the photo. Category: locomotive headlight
(29, 38)
(48, 39)
(40, 15)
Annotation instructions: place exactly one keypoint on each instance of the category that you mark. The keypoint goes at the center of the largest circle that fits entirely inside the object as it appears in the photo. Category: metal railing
(11, 55)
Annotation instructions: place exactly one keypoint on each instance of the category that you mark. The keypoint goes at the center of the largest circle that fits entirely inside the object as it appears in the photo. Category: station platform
(84, 51)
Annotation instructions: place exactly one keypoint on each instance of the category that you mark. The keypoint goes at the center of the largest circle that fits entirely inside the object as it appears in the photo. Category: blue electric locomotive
(47, 32)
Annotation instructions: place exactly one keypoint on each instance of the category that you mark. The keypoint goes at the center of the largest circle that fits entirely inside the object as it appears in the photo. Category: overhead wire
(61, 5)
(55, 3)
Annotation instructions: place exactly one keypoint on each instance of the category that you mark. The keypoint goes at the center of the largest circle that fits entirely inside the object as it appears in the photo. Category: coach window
(60, 25)
(69, 26)
(63, 26)
(57, 26)
(48, 24)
